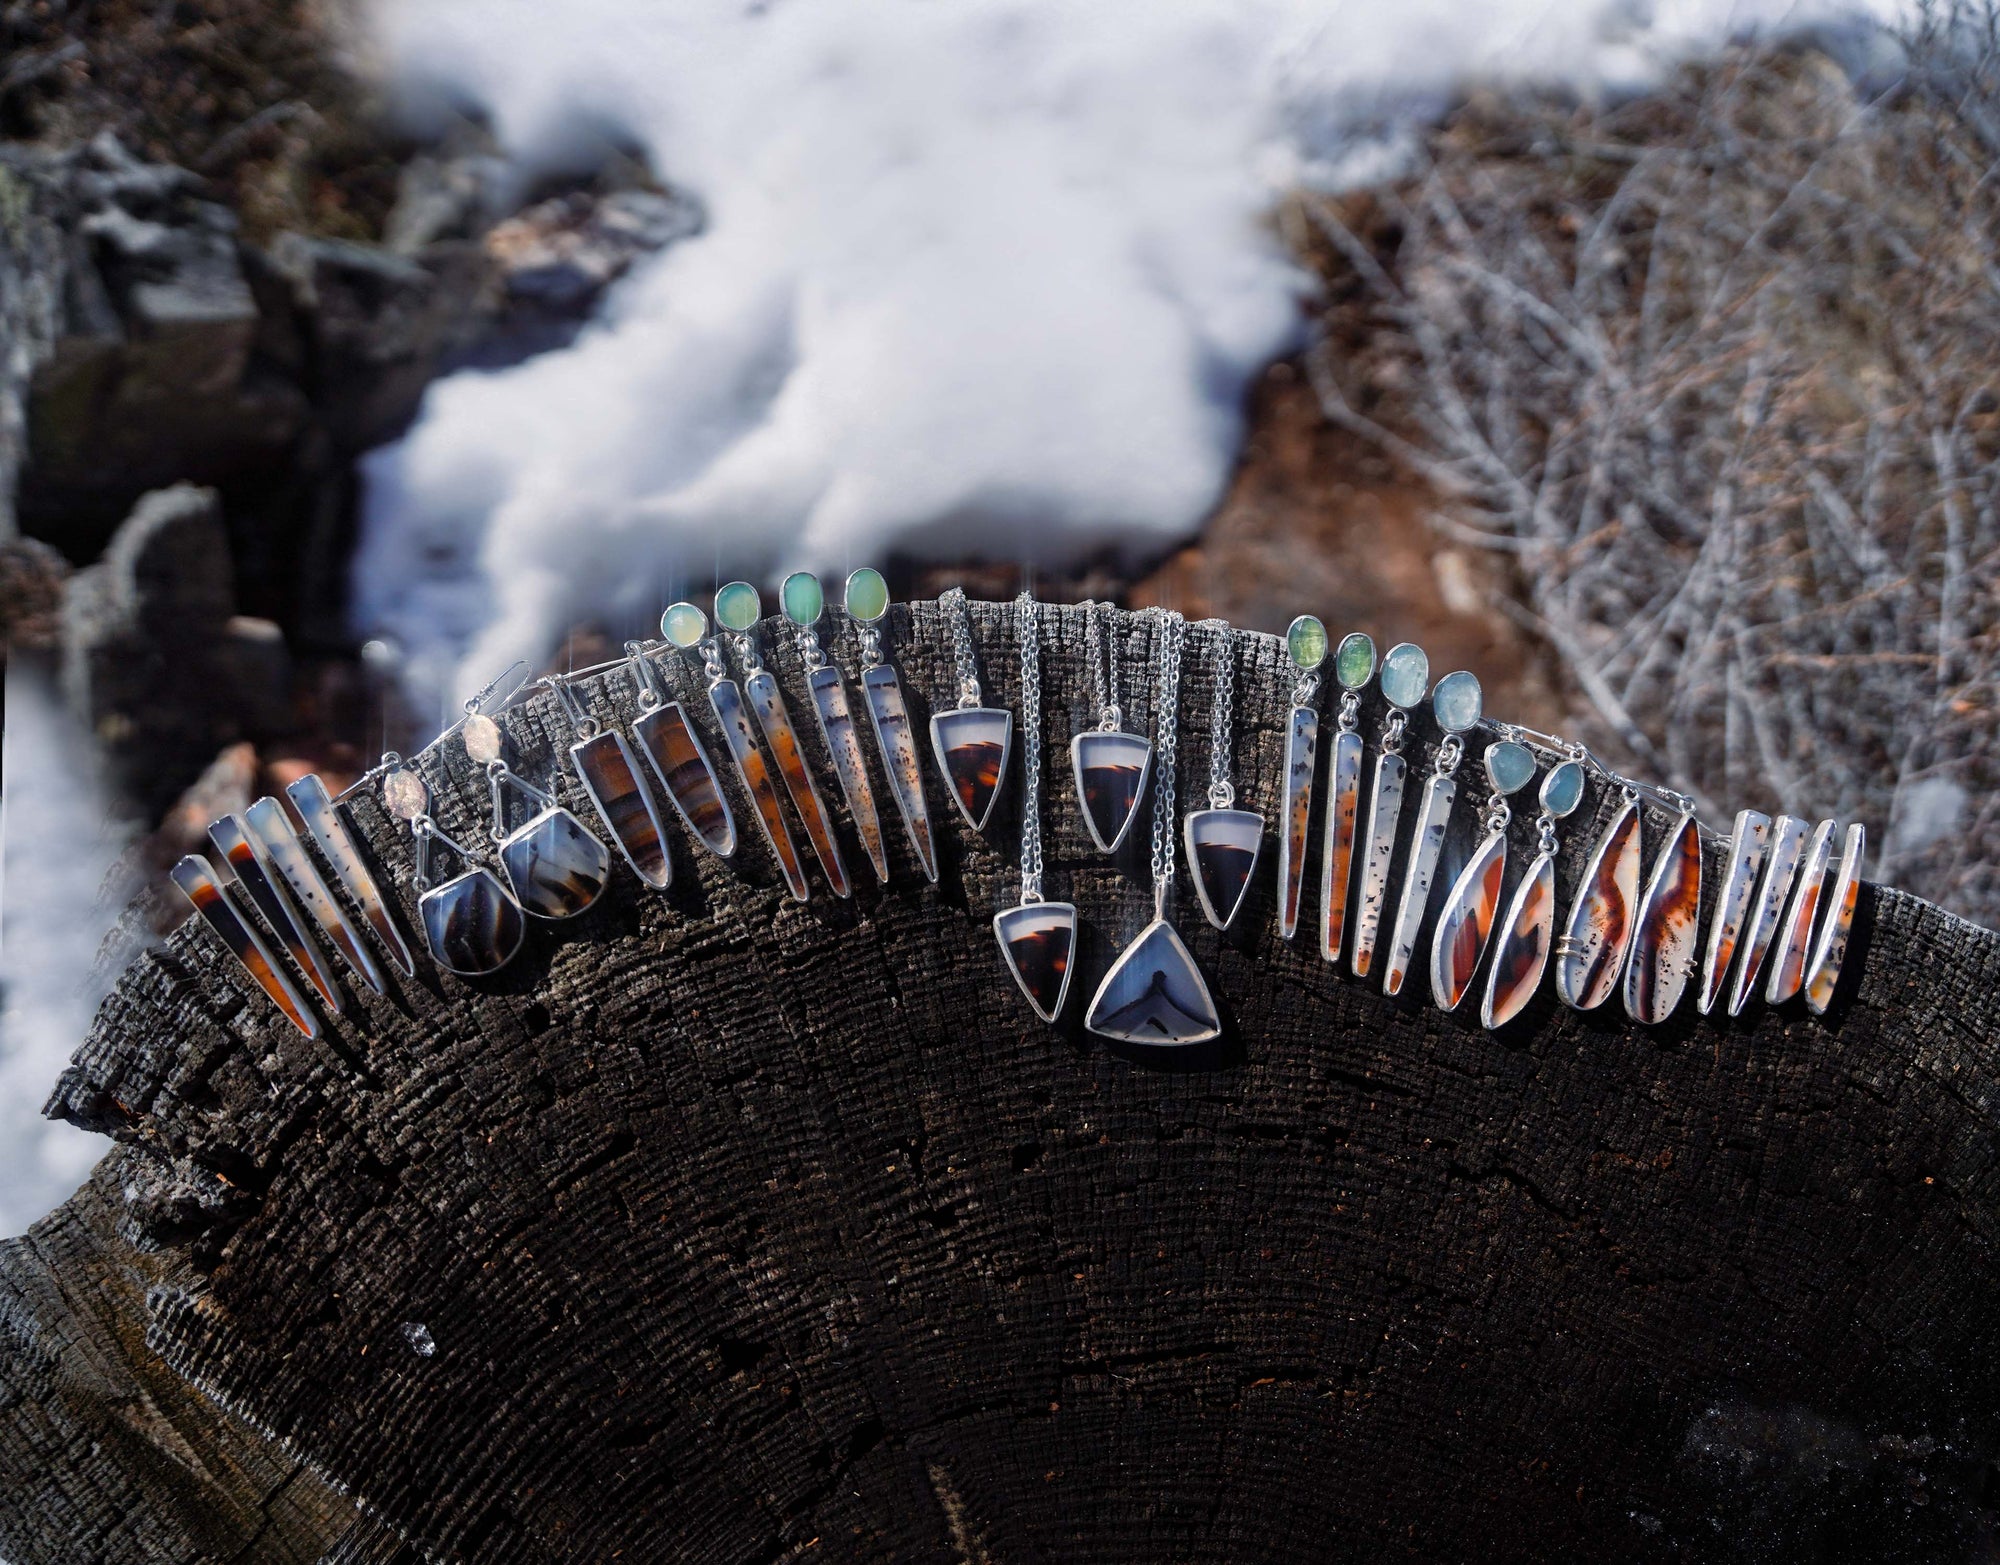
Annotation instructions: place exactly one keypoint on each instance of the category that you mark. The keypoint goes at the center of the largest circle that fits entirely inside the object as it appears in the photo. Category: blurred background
(1641, 358)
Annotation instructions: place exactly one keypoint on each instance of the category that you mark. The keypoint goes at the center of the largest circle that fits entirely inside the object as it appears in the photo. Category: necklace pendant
(1222, 849)
(1830, 949)
(1439, 796)
(972, 744)
(1038, 940)
(611, 777)
(1155, 994)
(1662, 954)
(553, 864)
(725, 698)
(1788, 843)
(471, 924)
(889, 715)
(329, 832)
(836, 727)
(765, 700)
(1592, 948)
(1525, 935)
(1110, 769)
(198, 883)
(1788, 958)
(1747, 843)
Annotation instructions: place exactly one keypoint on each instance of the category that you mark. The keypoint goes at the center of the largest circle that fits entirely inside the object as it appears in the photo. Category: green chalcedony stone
(1456, 702)
(1354, 663)
(802, 599)
(867, 595)
(738, 606)
(684, 625)
(1306, 641)
(1406, 673)
(1510, 765)
(1562, 789)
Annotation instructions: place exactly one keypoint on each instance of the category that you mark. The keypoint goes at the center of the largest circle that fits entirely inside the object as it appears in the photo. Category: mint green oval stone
(1511, 766)
(1406, 674)
(683, 625)
(738, 606)
(1306, 641)
(1456, 702)
(867, 595)
(802, 599)
(1562, 789)
(1354, 663)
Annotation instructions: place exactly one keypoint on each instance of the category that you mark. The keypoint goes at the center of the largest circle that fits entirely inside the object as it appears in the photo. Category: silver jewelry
(1406, 675)
(1455, 703)
(611, 777)
(670, 744)
(1662, 955)
(1222, 841)
(1109, 764)
(1037, 938)
(330, 833)
(1788, 958)
(1830, 949)
(1788, 844)
(272, 834)
(260, 880)
(1305, 644)
(889, 713)
(1526, 928)
(1465, 923)
(1749, 839)
(198, 884)
(471, 922)
(803, 603)
(973, 741)
(1590, 953)
(554, 865)
(1353, 667)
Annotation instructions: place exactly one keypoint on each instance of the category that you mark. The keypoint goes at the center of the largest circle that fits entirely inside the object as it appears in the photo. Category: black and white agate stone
(471, 924)
(1155, 994)
(972, 745)
(1038, 939)
(1111, 769)
(554, 865)
(1222, 849)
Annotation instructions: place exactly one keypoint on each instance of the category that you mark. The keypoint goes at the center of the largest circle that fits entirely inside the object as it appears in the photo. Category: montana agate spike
(1456, 705)
(889, 713)
(317, 809)
(1662, 959)
(272, 830)
(1749, 838)
(259, 878)
(1788, 841)
(1353, 667)
(1305, 643)
(673, 749)
(198, 883)
(1788, 956)
(1591, 952)
(1406, 675)
(1830, 949)
(803, 602)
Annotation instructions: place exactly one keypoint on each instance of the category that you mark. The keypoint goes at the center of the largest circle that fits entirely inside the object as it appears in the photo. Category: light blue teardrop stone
(1511, 766)
(1456, 701)
(1562, 789)
(684, 625)
(738, 606)
(1406, 674)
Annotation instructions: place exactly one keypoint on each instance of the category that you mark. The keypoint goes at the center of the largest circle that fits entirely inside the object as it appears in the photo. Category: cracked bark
(751, 1231)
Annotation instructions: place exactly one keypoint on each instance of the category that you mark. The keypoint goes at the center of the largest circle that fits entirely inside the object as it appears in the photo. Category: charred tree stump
(723, 1228)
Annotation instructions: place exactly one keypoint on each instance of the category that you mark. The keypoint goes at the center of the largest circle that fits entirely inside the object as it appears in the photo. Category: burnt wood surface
(722, 1228)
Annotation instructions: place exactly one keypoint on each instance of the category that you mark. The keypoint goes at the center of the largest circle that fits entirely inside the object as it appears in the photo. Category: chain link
(811, 653)
(953, 604)
(1031, 748)
(1222, 718)
(1166, 744)
(1103, 668)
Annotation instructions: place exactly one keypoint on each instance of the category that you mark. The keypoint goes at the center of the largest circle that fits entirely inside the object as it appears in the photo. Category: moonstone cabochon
(1154, 994)
(481, 737)
(1562, 788)
(1406, 674)
(1222, 848)
(1110, 770)
(404, 794)
(867, 595)
(738, 606)
(471, 925)
(683, 625)
(1038, 940)
(1456, 702)
(1354, 663)
(801, 598)
(1510, 767)
(1305, 641)
(554, 866)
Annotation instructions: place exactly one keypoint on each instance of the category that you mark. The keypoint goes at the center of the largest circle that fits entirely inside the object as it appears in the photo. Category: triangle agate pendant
(1111, 769)
(1222, 848)
(972, 745)
(1038, 939)
(1154, 994)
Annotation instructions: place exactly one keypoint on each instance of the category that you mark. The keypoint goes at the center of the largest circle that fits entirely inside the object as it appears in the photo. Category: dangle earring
(1788, 845)
(611, 777)
(1830, 949)
(1406, 675)
(1788, 958)
(259, 878)
(889, 713)
(674, 751)
(1590, 953)
(1662, 957)
(319, 810)
(687, 627)
(738, 608)
(803, 603)
(973, 740)
(1748, 840)
(471, 923)
(1456, 705)
(272, 835)
(1110, 764)
(1353, 667)
(553, 865)
(1154, 992)
(1222, 841)
(1305, 644)
(1527, 927)
(1037, 938)
(1466, 922)
(199, 885)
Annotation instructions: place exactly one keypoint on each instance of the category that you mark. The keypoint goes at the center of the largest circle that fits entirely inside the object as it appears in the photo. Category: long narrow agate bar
(1336, 871)
(1662, 955)
(317, 809)
(1788, 956)
(1428, 845)
(271, 829)
(1591, 953)
(836, 726)
(1748, 842)
(610, 774)
(769, 705)
(894, 733)
(1301, 755)
(1385, 809)
(727, 701)
(1830, 949)
(674, 751)
(198, 883)
(232, 840)
(1788, 841)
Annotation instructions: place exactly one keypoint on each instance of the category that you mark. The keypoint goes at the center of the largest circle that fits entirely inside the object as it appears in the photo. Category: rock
(31, 591)
(558, 256)
(225, 787)
(440, 196)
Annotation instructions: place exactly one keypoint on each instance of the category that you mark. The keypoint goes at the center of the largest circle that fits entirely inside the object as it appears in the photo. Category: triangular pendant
(1111, 770)
(1154, 993)
(1222, 845)
(1038, 939)
(972, 745)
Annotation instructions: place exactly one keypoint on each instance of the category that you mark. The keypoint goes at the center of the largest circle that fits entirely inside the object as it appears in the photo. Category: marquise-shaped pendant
(1038, 939)
(836, 727)
(471, 924)
(1222, 848)
(317, 809)
(554, 866)
(1466, 923)
(1830, 949)
(611, 777)
(1663, 940)
(1385, 808)
(1336, 869)
(1425, 849)
(1748, 841)
(1590, 954)
(197, 881)
(259, 878)
(1301, 760)
(272, 830)
(681, 767)
(1788, 846)
(890, 715)
(972, 745)
(1110, 769)
(1154, 993)
(727, 701)
(765, 700)
(1527, 930)
(1794, 943)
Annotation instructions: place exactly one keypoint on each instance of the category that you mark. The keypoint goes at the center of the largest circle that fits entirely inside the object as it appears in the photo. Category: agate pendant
(1748, 840)
(272, 830)
(1526, 933)
(198, 883)
(727, 701)
(472, 925)
(1222, 848)
(972, 744)
(259, 878)
(1663, 941)
(890, 716)
(1038, 940)
(1425, 849)
(681, 767)
(553, 864)
(1337, 859)
(1301, 760)
(765, 700)
(1466, 922)
(1830, 949)
(1788, 956)
(1788, 842)
(836, 727)
(1591, 951)
(1154, 994)
(1385, 806)
(317, 809)
(611, 777)
(1110, 769)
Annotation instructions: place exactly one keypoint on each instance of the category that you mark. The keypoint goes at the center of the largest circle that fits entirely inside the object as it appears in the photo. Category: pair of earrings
(1810, 948)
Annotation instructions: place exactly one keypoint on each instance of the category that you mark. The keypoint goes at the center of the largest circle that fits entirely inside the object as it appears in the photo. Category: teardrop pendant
(1663, 940)
(1522, 955)
(1466, 922)
(1591, 952)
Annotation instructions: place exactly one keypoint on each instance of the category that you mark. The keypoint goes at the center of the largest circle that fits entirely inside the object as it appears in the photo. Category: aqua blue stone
(867, 595)
(1456, 702)
(738, 606)
(1562, 789)
(802, 599)
(1406, 674)
(1511, 766)
(684, 625)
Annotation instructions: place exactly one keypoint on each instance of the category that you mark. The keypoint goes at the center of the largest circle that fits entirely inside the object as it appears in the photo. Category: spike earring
(1788, 957)
(1406, 675)
(1788, 845)
(1456, 705)
(1353, 667)
(1830, 949)
(1466, 922)
(672, 748)
(1305, 645)
(1037, 938)
(972, 741)
(258, 877)
(471, 922)
(336, 843)
(198, 884)
(1222, 841)
(1154, 992)
(1662, 956)
(803, 603)
(1528, 925)
(611, 777)
(889, 713)
(553, 865)
(1748, 841)
(271, 832)
(1110, 764)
